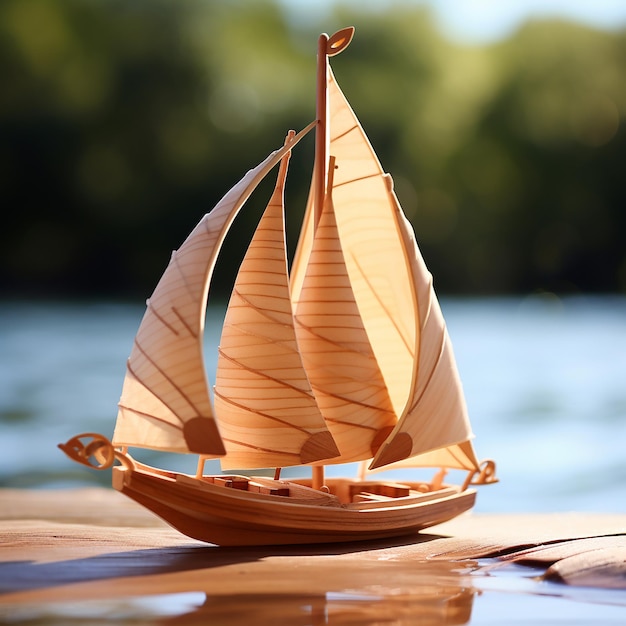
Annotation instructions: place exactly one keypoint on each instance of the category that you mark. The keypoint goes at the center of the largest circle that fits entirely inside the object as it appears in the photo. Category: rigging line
(264, 312)
(351, 424)
(154, 311)
(365, 405)
(260, 374)
(261, 413)
(149, 416)
(182, 320)
(356, 180)
(345, 133)
(363, 275)
(363, 353)
(431, 373)
(278, 342)
(165, 377)
(260, 449)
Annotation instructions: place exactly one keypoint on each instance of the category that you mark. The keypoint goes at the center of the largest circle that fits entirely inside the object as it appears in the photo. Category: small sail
(436, 415)
(165, 399)
(266, 410)
(336, 351)
(460, 456)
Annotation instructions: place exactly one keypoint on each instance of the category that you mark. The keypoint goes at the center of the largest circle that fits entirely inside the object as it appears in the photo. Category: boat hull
(230, 517)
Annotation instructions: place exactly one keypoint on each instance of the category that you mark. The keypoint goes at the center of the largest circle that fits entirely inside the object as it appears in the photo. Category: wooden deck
(95, 544)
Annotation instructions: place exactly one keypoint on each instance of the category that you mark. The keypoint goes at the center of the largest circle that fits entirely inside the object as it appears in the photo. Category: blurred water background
(543, 376)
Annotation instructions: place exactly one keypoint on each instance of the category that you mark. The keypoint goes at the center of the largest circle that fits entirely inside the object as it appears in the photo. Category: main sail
(165, 402)
(373, 253)
(266, 410)
(393, 292)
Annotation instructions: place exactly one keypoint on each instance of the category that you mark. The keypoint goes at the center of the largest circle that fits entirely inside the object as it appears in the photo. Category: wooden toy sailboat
(345, 359)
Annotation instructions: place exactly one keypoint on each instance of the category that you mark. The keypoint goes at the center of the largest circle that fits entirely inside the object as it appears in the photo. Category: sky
(483, 21)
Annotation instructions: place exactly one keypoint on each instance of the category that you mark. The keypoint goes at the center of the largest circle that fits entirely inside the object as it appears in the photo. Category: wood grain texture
(336, 351)
(95, 543)
(263, 400)
(165, 403)
(209, 511)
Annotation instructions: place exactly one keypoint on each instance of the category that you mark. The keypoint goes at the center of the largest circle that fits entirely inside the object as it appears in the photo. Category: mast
(326, 47)
(321, 132)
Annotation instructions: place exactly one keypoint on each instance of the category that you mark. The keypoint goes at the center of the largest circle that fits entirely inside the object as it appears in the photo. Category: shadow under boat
(18, 576)
(210, 584)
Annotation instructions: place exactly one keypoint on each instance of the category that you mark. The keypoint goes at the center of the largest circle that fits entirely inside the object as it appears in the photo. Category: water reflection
(430, 606)
(427, 606)
(207, 584)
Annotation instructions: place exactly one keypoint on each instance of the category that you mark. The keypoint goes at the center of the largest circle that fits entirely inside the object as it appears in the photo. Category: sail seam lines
(259, 448)
(351, 424)
(345, 132)
(431, 373)
(260, 413)
(149, 416)
(161, 319)
(352, 401)
(263, 312)
(190, 330)
(382, 304)
(336, 344)
(355, 180)
(167, 378)
(263, 375)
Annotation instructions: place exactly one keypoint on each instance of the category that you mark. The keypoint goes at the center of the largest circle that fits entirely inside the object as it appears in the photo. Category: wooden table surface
(94, 544)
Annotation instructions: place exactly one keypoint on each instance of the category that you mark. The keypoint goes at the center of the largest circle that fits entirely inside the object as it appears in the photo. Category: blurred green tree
(122, 122)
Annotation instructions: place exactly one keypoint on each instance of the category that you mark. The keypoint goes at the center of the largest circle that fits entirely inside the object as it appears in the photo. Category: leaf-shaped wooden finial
(339, 41)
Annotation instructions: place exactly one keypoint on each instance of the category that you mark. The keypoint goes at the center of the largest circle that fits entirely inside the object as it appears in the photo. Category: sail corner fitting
(380, 438)
(202, 437)
(399, 448)
(318, 447)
